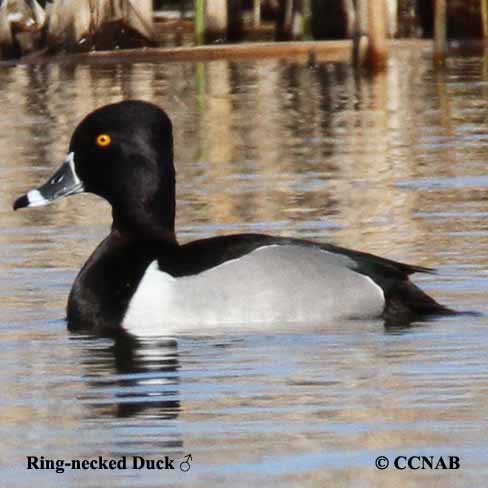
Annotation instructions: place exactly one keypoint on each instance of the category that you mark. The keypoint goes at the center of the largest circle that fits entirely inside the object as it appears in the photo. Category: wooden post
(216, 19)
(257, 13)
(199, 22)
(392, 17)
(359, 37)
(5, 33)
(287, 21)
(484, 17)
(377, 52)
(288, 15)
(235, 23)
(361, 17)
(348, 8)
(307, 19)
(440, 31)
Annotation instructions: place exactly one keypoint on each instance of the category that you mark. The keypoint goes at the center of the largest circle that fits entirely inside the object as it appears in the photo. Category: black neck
(149, 219)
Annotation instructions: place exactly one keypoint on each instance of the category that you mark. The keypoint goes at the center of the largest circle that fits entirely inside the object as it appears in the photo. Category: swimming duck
(142, 281)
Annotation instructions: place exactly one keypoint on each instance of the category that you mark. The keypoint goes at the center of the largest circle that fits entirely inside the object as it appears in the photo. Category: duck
(141, 281)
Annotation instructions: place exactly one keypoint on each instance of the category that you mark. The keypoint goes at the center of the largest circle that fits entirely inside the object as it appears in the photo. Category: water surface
(395, 165)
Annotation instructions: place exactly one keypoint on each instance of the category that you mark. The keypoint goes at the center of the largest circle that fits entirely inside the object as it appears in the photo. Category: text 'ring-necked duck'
(142, 281)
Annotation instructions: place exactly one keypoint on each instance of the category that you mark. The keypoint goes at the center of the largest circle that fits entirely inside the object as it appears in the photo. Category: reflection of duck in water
(132, 378)
(141, 280)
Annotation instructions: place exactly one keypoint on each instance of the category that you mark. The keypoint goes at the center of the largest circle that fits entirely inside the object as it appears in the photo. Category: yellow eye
(103, 140)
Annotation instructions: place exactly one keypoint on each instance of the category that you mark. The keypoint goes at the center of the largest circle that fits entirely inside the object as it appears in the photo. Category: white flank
(273, 285)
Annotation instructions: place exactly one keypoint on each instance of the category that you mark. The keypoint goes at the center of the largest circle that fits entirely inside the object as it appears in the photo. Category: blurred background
(28, 26)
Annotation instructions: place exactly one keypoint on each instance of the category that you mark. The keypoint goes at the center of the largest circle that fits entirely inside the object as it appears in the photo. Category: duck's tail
(406, 302)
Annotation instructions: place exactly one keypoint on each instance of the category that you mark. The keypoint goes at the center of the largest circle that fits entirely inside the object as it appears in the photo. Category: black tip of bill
(34, 198)
(21, 202)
